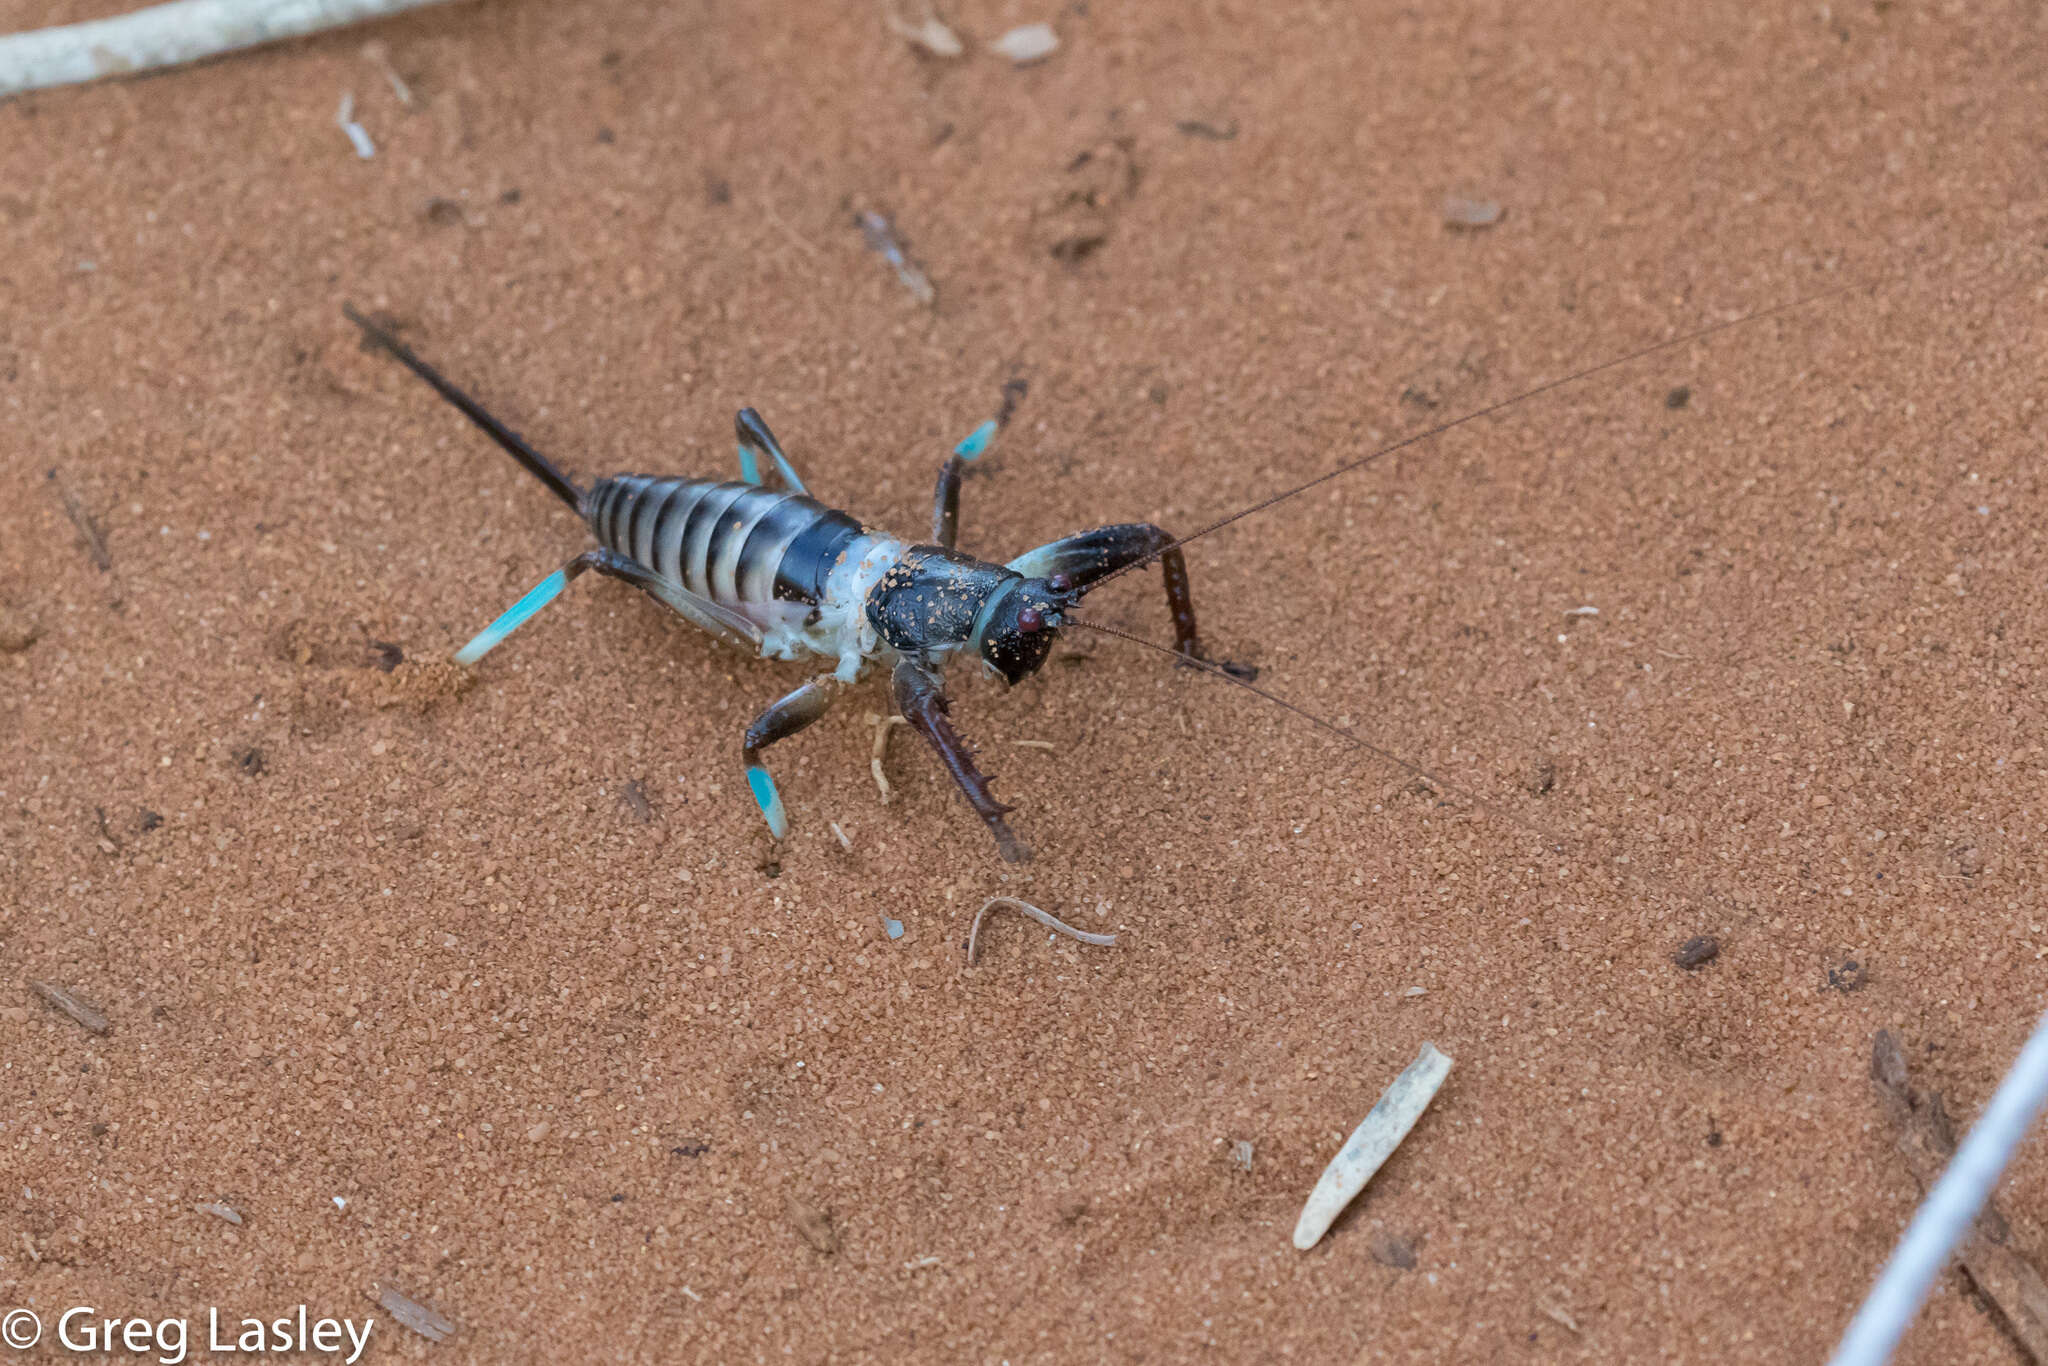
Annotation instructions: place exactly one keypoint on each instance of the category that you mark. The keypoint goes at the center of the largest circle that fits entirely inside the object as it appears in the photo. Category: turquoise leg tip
(769, 800)
(515, 616)
(749, 469)
(977, 441)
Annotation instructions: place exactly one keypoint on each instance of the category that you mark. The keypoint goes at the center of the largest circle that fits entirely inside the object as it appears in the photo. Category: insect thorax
(933, 598)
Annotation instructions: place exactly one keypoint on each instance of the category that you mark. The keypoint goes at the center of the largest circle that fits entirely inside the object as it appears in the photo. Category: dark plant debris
(1696, 952)
(81, 1011)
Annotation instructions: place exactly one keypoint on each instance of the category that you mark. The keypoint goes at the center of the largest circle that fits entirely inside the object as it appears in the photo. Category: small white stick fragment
(929, 33)
(1045, 918)
(220, 1211)
(1023, 46)
(358, 136)
(1371, 1143)
(170, 35)
(423, 1319)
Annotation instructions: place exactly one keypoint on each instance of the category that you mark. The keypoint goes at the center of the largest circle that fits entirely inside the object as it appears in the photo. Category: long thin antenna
(1430, 433)
(1343, 733)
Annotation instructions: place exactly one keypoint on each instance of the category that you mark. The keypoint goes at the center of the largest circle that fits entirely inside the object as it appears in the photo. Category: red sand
(413, 946)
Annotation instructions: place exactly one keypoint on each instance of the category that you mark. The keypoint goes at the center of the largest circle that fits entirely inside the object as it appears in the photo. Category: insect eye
(1060, 583)
(1030, 621)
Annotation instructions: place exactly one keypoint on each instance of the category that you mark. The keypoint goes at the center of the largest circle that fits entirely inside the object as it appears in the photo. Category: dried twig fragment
(1051, 922)
(170, 35)
(812, 1224)
(82, 518)
(1371, 1144)
(883, 725)
(84, 1012)
(1927, 1140)
(422, 1319)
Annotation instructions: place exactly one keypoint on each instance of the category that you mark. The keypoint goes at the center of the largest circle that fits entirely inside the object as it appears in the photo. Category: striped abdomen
(737, 544)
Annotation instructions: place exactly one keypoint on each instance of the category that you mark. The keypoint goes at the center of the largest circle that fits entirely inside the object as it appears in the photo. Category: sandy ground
(514, 970)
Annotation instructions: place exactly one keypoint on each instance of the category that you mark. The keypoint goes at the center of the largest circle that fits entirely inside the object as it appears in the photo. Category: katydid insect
(770, 569)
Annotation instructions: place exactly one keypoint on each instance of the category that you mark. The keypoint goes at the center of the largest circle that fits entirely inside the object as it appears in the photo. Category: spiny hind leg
(757, 443)
(922, 700)
(779, 722)
(1092, 555)
(700, 612)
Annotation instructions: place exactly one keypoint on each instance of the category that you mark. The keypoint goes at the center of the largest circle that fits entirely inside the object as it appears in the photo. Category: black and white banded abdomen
(784, 560)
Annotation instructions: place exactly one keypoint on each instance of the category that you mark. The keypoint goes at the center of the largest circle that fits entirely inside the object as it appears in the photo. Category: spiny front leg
(922, 700)
(779, 722)
(1090, 555)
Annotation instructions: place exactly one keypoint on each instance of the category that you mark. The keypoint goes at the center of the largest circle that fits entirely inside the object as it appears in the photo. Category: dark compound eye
(1030, 620)
(1060, 583)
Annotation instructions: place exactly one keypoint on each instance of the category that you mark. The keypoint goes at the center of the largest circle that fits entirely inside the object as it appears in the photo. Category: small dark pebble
(717, 192)
(389, 656)
(1014, 391)
(1159, 393)
(1678, 397)
(1848, 977)
(612, 57)
(511, 196)
(1198, 128)
(1697, 952)
(618, 1199)
(1388, 1250)
(696, 1147)
(634, 794)
(150, 820)
(606, 136)
(1072, 251)
(249, 760)
(1713, 1138)
(442, 211)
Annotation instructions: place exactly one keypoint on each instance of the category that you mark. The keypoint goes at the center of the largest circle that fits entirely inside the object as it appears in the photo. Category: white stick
(167, 35)
(1371, 1144)
(1949, 1210)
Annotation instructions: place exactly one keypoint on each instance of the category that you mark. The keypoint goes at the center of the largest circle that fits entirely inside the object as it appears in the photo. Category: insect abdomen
(737, 544)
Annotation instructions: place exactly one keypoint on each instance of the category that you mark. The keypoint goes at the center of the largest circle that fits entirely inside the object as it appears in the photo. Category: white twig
(358, 136)
(1045, 918)
(1949, 1210)
(1371, 1144)
(170, 35)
